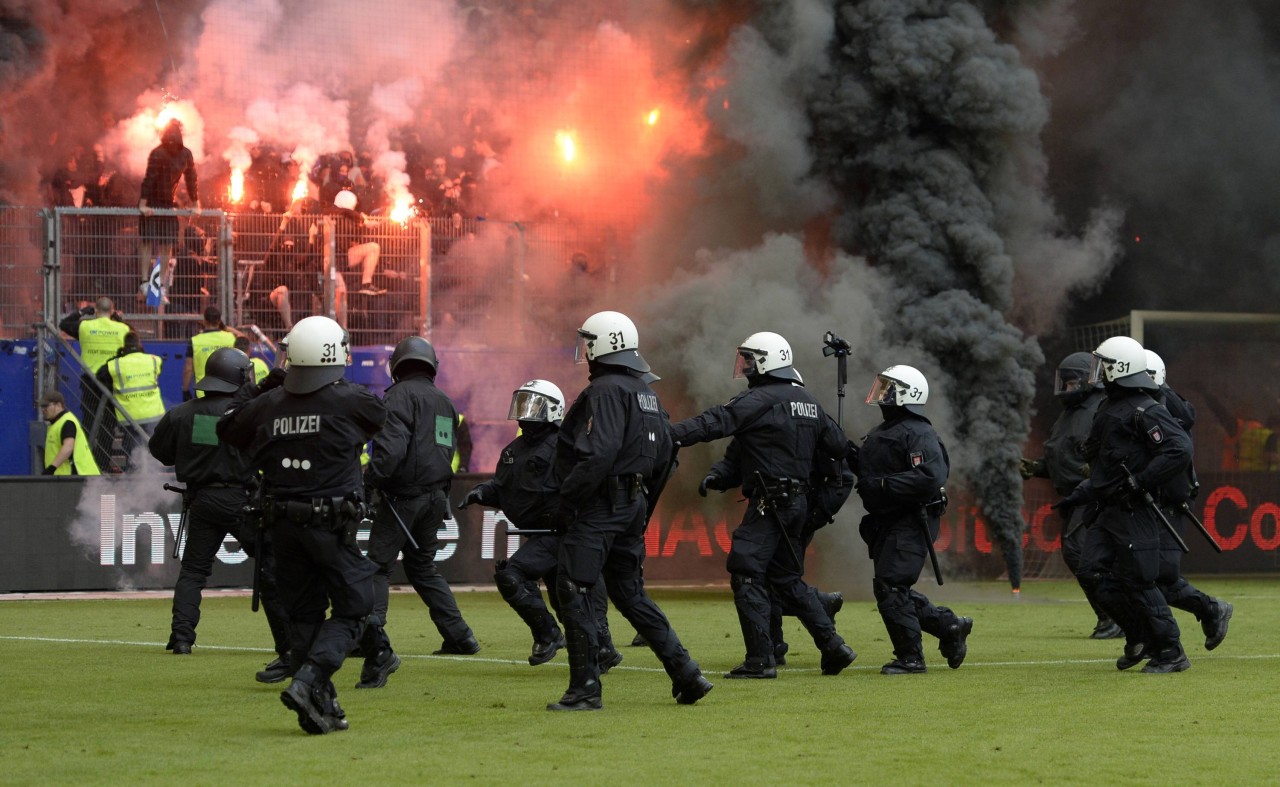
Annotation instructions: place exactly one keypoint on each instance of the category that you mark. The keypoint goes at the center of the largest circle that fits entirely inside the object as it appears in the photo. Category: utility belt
(320, 513)
(223, 485)
(780, 489)
(624, 489)
(435, 490)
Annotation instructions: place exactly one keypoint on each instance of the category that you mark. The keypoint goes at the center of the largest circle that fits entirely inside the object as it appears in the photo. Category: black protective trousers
(316, 568)
(899, 554)
(761, 559)
(517, 579)
(422, 515)
(608, 538)
(214, 514)
(1121, 561)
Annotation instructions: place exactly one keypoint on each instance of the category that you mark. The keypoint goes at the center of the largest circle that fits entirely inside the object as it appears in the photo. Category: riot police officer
(411, 467)
(1135, 449)
(901, 468)
(304, 429)
(218, 480)
(1064, 464)
(525, 490)
(1214, 614)
(780, 431)
(614, 450)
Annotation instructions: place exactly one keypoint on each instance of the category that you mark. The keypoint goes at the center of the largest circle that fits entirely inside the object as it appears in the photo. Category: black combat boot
(276, 671)
(753, 668)
(545, 651)
(1171, 659)
(1134, 654)
(952, 643)
(467, 647)
(307, 697)
(911, 664)
(692, 687)
(834, 660)
(1215, 627)
(584, 686)
(608, 658)
(1106, 629)
(376, 669)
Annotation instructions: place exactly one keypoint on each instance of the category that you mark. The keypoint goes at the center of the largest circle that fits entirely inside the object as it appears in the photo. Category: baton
(182, 520)
(403, 526)
(928, 542)
(1186, 509)
(1151, 503)
(767, 505)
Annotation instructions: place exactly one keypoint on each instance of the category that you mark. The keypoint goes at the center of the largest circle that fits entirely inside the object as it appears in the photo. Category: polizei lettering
(648, 402)
(295, 424)
(804, 410)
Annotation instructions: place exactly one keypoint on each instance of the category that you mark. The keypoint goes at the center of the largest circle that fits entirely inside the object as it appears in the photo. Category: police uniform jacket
(616, 427)
(901, 466)
(523, 486)
(1064, 450)
(1133, 430)
(413, 454)
(780, 427)
(307, 446)
(187, 439)
(1178, 407)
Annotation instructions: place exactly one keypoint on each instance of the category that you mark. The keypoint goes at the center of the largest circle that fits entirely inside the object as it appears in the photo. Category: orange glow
(169, 112)
(568, 147)
(403, 210)
(653, 118)
(1137, 239)
(300, 190)
(235, 192)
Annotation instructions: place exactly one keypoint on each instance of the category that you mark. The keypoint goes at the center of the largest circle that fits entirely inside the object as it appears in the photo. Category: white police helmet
(537, 400)
(765, 353)
(903, 386)
(1121, 361)
(612, 338)
(318, 354)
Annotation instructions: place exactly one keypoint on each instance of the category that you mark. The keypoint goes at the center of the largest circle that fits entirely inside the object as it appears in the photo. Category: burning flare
(568, 147)
(235, 192)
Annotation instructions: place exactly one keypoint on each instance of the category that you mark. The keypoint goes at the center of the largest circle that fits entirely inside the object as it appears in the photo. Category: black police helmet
(225, 371)
(413, 348)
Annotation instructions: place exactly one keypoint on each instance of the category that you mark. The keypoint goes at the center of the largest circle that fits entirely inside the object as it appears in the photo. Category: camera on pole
(834, 345)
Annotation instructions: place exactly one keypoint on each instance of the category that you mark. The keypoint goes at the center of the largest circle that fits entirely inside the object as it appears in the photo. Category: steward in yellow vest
(215, 335)
(66, 445)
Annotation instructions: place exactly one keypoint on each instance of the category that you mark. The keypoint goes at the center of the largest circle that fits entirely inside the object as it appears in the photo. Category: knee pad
(739, 581)
(508, 583)
(568, 590)
(1091, 580)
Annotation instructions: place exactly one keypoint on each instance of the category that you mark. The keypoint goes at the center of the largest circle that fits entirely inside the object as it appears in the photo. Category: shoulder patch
(1156, 434)
(917, 458)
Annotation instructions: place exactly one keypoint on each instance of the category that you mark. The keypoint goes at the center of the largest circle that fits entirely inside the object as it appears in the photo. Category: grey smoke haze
(939, 181)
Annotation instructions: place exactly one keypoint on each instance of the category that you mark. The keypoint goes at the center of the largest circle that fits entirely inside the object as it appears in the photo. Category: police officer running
(1135, 449)
(525, 489)
(1065, 465)
(1214, 614)
(411, 467)
(780, 431)
(217, 479)
(614, 449)
(901, 468)
(304, 430)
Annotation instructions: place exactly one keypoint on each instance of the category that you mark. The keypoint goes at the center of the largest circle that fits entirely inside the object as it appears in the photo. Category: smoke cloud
(941, 182)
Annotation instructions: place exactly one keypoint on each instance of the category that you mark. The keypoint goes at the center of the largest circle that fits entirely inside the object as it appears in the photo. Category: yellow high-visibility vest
(100, 339)
(81, 456)
(202, 346)
(135, 381)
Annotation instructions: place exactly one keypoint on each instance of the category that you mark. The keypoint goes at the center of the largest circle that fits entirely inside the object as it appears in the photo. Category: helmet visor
(529, 406)
(1066, 383)
(744, 364)
(883, 391)
(1098, 369)
(585, 341)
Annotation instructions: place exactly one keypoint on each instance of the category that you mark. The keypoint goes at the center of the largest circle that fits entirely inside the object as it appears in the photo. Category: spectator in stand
(339, 180)
(66, 445)
(351, 226)
(66, 186)
(261, 180)
(214, 335)
(292, 268)
(169, 162)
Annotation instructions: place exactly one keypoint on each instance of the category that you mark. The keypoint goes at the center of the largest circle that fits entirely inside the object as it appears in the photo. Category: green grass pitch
(92, 697)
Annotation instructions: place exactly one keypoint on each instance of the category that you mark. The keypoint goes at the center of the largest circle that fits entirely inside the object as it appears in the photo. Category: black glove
(274, 379)
(472, 497)
(49, 470)
(707, 480)
(186, 395)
